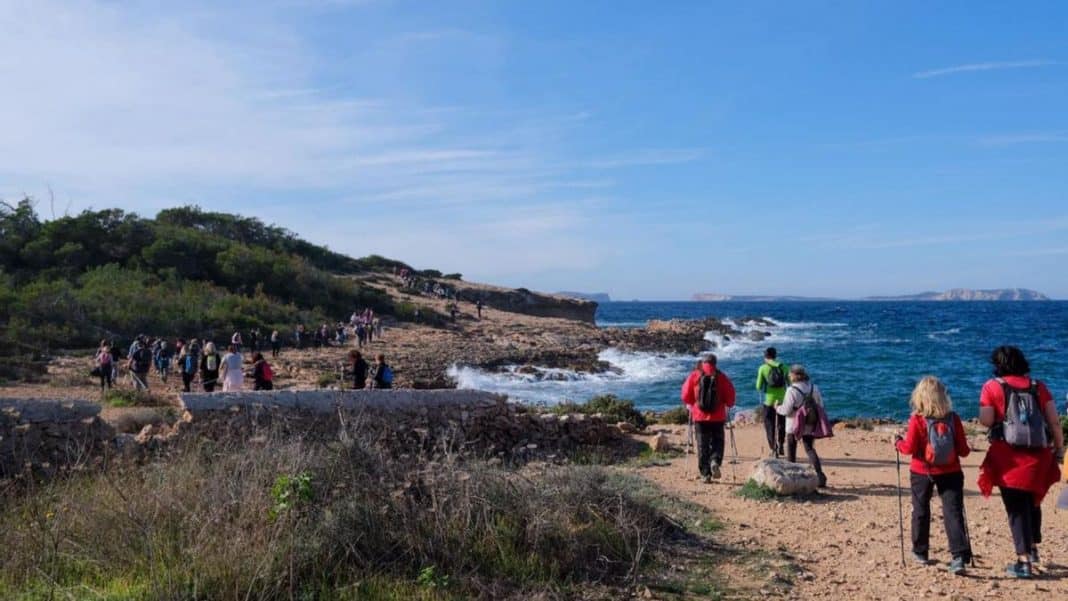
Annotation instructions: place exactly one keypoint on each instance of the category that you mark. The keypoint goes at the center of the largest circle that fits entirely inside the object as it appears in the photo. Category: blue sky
(651, 150)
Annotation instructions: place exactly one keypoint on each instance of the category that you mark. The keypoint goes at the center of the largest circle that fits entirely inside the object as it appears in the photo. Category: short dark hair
(710, 359)
(771, 353)
(1009, 361)
(257, 357)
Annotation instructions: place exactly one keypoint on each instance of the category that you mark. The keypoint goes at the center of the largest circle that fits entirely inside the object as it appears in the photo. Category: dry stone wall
(405, 421)
(42, 437)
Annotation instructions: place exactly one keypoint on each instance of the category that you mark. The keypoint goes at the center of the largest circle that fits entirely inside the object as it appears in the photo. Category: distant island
(956, 294)
(710, 297)
(597, 297)
(964, 294)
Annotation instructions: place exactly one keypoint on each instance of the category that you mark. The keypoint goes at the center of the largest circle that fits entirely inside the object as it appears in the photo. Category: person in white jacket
(230, 371)
(799, 389)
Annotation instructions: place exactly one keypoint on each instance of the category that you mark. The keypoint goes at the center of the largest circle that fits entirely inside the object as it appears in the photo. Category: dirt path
(845, 540)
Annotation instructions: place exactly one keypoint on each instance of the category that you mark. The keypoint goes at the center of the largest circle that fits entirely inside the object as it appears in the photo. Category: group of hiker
(1023, 460)
(190, 359)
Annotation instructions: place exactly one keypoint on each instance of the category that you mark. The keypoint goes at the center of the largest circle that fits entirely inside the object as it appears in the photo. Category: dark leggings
(774, 424)
(105, 377)
(951, 491)
(1025, 519)
(810, 450)
(709, 445)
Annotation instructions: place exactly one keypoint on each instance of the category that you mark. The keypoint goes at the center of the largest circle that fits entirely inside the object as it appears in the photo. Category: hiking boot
(715, 472)
(1034, 556)
(823, 480)
(956, 566)
(920, 559)
(1020, 569)
(708, 479)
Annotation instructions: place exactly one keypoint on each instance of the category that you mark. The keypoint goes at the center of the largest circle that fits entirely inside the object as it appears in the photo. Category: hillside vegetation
(69, 282)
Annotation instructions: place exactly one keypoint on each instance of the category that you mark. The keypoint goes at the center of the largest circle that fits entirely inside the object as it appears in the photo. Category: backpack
(941, 443)
(1024, 424)
(142, 359)
(190, 366)
(809, 410)
(707, 399)
(266, 373)
(776, 378)
(104, 358)
(211, 362)
(387, 375)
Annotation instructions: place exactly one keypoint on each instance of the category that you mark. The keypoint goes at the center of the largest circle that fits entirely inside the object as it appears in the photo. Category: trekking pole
(967, 533)
(689, 434)
(900, 509)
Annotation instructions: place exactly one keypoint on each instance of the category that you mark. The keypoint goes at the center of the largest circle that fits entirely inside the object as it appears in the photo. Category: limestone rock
(785, 478)
(659, 443)
(627, 427)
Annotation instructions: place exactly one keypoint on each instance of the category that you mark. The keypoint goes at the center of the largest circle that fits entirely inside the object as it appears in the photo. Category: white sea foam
(943, 334)
(634, 371)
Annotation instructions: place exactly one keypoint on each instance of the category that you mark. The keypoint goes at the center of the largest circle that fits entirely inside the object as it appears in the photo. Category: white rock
(785, 478)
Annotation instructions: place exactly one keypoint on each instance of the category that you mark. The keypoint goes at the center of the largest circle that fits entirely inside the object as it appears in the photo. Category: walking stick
(967, 534)
(734, 452)
(689, 433)
(900, 509)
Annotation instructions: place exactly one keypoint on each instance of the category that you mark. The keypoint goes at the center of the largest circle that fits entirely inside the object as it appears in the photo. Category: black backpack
(808, 403)
(776, 378)
(707, 400)
(142, 359)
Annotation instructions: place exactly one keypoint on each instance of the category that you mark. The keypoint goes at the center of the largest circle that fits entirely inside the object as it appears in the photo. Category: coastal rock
(785, 478)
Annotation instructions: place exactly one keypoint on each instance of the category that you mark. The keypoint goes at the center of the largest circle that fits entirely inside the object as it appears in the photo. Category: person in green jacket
(771, 380)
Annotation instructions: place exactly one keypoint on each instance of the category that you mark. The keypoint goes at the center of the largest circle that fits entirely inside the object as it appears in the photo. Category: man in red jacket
(708, 393)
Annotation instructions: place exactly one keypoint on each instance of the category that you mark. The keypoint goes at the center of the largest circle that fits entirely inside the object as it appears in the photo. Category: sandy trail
(846, 539)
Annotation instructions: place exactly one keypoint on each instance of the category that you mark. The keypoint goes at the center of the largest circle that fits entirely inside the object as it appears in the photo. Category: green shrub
(613, 409)
(1064, 426)
(675, 416)
(456, 528)
(756, 492)
(128, 397)
(326, 380)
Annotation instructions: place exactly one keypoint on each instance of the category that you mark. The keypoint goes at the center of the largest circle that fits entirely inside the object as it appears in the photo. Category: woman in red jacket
(1020, 461)
(708, 393)
(936, 442)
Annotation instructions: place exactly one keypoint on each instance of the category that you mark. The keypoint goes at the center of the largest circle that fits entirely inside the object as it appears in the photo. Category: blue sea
(865, 356)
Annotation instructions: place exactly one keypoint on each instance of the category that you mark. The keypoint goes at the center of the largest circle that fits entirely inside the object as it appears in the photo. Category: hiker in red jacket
(1023, 457)
(936, 442)
(708, 393)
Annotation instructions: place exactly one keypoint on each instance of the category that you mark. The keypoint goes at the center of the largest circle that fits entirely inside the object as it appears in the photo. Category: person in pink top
(708, 393)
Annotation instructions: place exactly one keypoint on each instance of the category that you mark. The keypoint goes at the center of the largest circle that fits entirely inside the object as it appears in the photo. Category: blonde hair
(930, 398)
(209, 348)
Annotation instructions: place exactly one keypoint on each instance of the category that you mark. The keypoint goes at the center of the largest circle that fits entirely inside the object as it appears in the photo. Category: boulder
(785, 478)
(659, 443)
(627, 427)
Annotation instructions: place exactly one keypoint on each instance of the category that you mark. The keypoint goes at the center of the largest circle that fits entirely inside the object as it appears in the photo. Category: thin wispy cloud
(1025, 138)
(653, 156)
(988, 66)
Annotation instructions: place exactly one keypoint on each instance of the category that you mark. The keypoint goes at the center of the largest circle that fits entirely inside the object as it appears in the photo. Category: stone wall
(404, 421)
(43, 437)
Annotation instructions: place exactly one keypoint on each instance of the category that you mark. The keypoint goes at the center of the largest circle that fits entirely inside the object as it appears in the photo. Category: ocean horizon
(865, 355)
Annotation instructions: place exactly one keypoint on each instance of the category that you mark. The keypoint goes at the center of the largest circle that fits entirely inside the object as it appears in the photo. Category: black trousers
(773, 420)
(275, 347)
(187, 380)
(951, 491)
(1025, 519)
(709, 445)
(810, 450)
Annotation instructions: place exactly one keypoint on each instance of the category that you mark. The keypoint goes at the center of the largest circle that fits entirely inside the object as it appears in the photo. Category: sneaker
(920, 559)
(956, 566)
(715, 472)
(1034, 556)
(1020, 569)
(708, 479)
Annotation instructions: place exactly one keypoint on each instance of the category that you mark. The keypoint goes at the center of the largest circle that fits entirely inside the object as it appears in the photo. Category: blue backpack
(387, 375)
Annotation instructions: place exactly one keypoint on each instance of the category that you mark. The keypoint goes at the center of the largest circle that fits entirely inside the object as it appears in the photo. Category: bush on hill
(71, 281)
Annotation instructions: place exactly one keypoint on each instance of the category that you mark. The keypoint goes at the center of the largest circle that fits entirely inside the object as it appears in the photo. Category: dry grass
(284, 519)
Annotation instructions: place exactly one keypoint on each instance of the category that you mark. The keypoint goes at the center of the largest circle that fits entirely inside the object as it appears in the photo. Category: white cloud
(988, 66)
